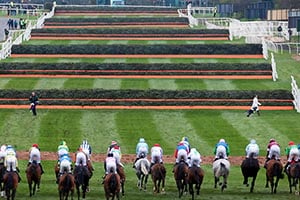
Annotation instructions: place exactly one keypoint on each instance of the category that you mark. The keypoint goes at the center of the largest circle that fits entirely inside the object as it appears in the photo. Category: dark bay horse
(195, 177)
(293, 173)
(122, 175)
(180, 174)
(250, 168)
(112, 186)
(66, 185)
(158, 174)
(142, 167)
(2, 172)
(82, 177)
(33, 174)
(274, 169)
(221, 168)
(10, 180)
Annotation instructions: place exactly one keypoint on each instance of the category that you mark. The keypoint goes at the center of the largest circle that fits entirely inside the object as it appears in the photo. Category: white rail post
(296, 94)
(265, 49)
(274, 69)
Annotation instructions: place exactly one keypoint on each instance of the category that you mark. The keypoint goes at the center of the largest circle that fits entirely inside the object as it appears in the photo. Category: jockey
(34, 154)
(116, 151)
(141, 150)
(181, 151)
(65, 165)
(111, 146)
(81, 157)
(273, 150)
(194, 158)
(292, 154)
(252, 147)
(62, 149)
(2, 154)
(11, 161)
(87, 149)
(110, 163)
(185, 141)
(156, 153)
(221, 148)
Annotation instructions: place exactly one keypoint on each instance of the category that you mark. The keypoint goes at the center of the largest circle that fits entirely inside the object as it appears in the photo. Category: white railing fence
(274, 69)
(18, 36)
(296, 94)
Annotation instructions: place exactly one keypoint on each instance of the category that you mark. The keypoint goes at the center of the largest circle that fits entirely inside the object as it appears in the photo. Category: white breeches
(294, 154)
(61, 152)
(195, 160)
(221, 151)
(111, 167)
(254, 150)
(274, 151)
(156, 155)
(142, 150)
(80, 158)
(11, 164)
(117, 157)
(65, 166)
(181, 154)
(35, 155)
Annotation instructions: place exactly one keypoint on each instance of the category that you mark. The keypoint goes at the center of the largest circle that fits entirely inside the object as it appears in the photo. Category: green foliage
(140, 49)
(115, 9)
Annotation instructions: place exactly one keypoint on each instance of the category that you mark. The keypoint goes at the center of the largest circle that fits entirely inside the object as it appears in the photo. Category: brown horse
(10, 180)
(293, 173)
(180, 174)
(274, 169)
(195, 177)
(33, 174)
(112, 186)
(66, 185)
(2, 172)
(158, 174)
(56, 171)
(121, 173)
(250, 168)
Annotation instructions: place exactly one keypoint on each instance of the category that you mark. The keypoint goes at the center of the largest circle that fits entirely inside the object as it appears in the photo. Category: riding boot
(151, 167)
(19, 177)
(135, 162)
(41, 168)
(265, 165)
(286, 166)
(258, 113)
(103, 177)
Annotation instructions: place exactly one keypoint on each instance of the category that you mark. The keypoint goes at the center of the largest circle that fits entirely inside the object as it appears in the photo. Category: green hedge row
(152, 94)
(128, 31)
(115, 8)
(115, 20)
(147, 103)
(205, 49)
(136, 66)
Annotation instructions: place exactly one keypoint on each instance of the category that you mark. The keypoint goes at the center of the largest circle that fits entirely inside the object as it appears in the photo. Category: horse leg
(252, 183)
(267, 181)
(145, 183)
(163, 186)
(83, 191)
(246, 181)
(30, 189)
(158, 186)
(272, 185)
(224, 185)
(34, 188)
(276, 184)
(78, 190)
(13, 193)
(154, 186)
(216, 181)
(191, 190)
(122, 186)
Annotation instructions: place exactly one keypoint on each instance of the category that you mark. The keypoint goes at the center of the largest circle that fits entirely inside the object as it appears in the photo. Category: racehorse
(195, 176)
(33, 174)
(274, 169)
(250, 168)
(2, 172)
(10, 180)
(180, 174)
(66, 185)
(81, 176)
(112, 186)
(158, 174)
(121, 173)
(293, 174)
(221, 167)
(142, 167)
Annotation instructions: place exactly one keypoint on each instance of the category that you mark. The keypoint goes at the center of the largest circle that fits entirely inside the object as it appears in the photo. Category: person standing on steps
(254, 107)
(34, 100)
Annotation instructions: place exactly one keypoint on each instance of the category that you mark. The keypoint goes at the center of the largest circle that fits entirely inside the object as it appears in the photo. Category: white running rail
(274, 69)
(296, 94)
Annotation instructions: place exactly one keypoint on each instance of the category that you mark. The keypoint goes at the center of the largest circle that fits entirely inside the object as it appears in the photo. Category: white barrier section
(296, 94)
(274, 69)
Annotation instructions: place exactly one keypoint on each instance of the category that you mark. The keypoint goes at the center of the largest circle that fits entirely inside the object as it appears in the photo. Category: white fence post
(265, 49)
(274, 69)
(296, 94)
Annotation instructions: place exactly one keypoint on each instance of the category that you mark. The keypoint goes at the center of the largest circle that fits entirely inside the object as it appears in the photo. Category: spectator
(6, 32)
(34, 100)
(15, 24)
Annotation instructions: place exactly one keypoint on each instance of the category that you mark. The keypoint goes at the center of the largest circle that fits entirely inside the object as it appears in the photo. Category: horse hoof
(296, 192)
(247, 185)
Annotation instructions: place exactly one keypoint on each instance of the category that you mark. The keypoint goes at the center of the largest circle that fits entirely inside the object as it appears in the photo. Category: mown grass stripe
(188, 84)
(99, 128)
(163, 60)
(21, 83)
(134, 84)
(265, 127)
(68, 60)
(117, 42)
(215, 84)
(173, 125)
(20, 128)
(211, 127)
(114, 84)
(58, 125)
(48, 83)
(157, 42)
(78, 83)
(3, 82)
(114, 60)
(165, 84)
(135, 124)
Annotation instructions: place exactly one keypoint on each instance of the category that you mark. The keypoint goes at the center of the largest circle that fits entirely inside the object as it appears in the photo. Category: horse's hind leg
(246, 181)
(252, 184)
(34, 188)
(122, 186)
(276, 184)
(13, 194)
(145, 183)
(216, 181)
(30, 189)
(163, 186)
(267, 181)
(191, 190)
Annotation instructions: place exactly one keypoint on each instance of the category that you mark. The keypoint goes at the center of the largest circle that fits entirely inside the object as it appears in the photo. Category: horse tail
(277, 170)
(10, 181)
(197, 175)
(67, 183)
(113, 183)
(221, 171)
(162, 171)
(144, 168)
